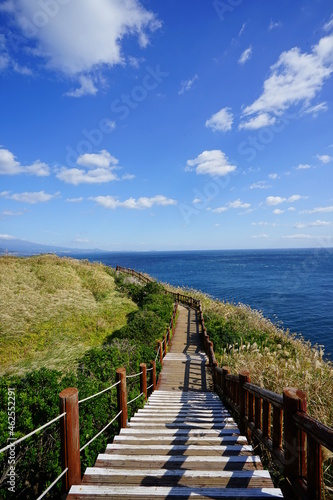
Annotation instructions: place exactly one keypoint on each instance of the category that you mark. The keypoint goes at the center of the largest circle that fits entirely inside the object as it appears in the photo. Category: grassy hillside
(54, 309)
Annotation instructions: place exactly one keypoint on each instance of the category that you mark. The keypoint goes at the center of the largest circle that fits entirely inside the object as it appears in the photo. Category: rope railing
(100, 432)
(134, 399)
(98, 393)
(49, 488)
(20, 440)
(133, 376)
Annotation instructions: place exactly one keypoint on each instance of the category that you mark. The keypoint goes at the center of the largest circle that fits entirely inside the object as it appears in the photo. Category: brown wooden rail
(279, 422)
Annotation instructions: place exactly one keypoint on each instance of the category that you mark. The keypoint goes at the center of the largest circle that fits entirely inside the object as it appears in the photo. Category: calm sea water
(292, 287)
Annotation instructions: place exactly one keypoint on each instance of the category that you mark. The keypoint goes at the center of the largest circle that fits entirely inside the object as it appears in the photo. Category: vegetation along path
(183, 443)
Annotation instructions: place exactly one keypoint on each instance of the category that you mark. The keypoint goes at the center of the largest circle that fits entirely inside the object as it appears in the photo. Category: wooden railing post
(294, 440)
(70, 437)
(160, 344)
(143, 380)
(314, 469)
(244, 376)
(153, 374)
(168, 335)
(164, 344)
(122, 397)
(225, 371)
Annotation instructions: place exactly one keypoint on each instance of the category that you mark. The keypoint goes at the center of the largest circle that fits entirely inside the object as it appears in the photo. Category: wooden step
(184, 450)
(178, 477)
(184, 440)
(161, 493)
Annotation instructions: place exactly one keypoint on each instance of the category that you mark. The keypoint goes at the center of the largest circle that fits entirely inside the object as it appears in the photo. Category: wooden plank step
(185, 431)
(184, 450)
(232, 463)
(178, 477)
(181, 412)
(179, 420)
(185, 440)
(181, 425)
(160, 493)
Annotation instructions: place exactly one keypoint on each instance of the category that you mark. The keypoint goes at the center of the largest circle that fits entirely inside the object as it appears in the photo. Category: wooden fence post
(153, 374)
(244, 377)
(225, 371)
(122, 397)
(160, 343)
(143, 380)
(70, 437)
(164, 344)
(294, 440)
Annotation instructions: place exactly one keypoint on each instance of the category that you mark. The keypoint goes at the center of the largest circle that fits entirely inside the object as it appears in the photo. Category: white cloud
(99, 167)
(238, 204)
(221, 121)
(324, 210)
(297, 236)
(260, 185)
(241, 31)
(196, 200)
(186, 85)
(315, 110)
(103, 159)
(274, 24)
(10, 166)
(296, 77)
(7, 237)
(31, 198)
(329, 25)
(259, 121)
(111, 202)
(325, 158)
(75, 200)
(303, 166)
(87, 87)
(299, 225)
(83, 36)
(276, 200)
(220, 210)
(214, 163)
(278, 211)
(264, 235)
(245, 56)
(127, 177)
(261, 223)
(273, 176)
(80, 240)
(320, 223)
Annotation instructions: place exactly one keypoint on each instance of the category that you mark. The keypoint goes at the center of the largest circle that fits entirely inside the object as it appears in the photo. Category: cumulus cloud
(303, 166)
(186, 85)
(246, 55)
(278, 211)
(295, 78)
(259, 121)
(98, 168)
(214, 163)
(112, 202)
(277, 200)
(325, 158)
(30, 197)
(221, 121)
(273, 176)
(260, 185)
(83, 37)
(231, 204)
(10, 166)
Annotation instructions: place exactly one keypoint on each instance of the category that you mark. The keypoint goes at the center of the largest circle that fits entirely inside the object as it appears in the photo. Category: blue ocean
(293, 288)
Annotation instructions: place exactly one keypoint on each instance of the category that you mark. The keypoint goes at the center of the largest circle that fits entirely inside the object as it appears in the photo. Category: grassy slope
(53, 309)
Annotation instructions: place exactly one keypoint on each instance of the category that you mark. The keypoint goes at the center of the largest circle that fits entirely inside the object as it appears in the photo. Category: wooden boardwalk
(183, 443)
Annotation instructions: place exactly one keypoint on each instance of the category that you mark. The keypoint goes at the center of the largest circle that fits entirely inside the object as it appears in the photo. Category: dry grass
(53, 309)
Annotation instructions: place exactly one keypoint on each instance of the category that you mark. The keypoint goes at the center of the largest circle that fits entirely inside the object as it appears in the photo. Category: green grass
(55, 309)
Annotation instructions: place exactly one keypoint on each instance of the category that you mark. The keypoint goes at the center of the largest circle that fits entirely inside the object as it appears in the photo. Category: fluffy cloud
(80, 37)
(323, 210)
(246, 55)
(278, 211)
(259, 121)
(325, 158)
(186, 85)
(10, 166)
(214, 163)
(111, 202)
(303, 166)
(221, 121)
(98, 169)
(277, 200)
(31, 198)
(260, 185)
(232, 204)
(296, 77)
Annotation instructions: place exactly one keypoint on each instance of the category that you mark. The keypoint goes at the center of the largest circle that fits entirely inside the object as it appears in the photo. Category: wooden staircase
(182, 444)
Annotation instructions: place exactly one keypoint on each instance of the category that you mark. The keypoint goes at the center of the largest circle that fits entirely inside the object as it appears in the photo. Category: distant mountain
(22, 247)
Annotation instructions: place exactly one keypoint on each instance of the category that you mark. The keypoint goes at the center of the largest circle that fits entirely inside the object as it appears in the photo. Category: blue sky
(128, 125)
